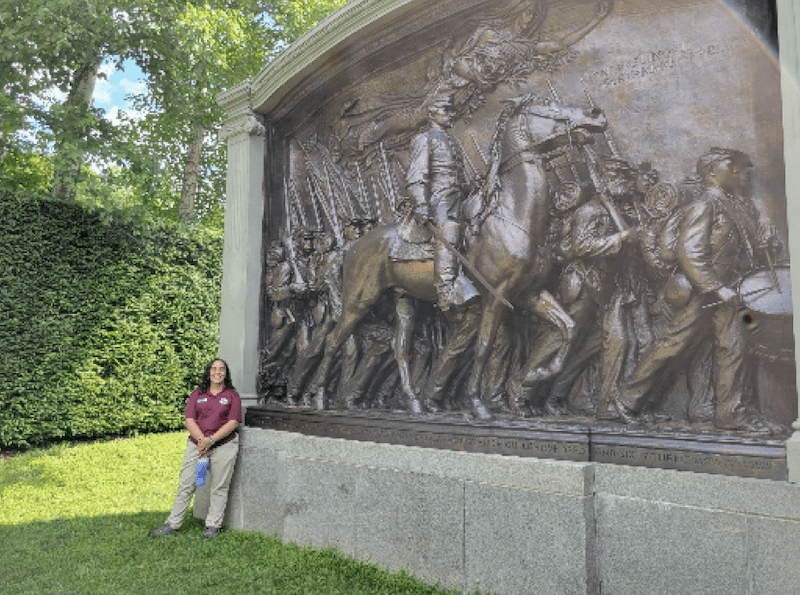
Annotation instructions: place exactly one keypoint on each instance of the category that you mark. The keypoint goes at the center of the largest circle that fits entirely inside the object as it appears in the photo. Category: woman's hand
(204, 444)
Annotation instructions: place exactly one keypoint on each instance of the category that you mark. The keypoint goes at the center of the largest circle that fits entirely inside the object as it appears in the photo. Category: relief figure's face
(733, 178)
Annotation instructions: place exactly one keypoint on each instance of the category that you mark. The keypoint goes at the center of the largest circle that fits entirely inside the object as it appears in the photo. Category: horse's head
(589, 119)
(549, 124)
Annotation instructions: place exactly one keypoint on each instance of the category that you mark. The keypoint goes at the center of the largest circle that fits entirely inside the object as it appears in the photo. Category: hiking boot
(165, 529)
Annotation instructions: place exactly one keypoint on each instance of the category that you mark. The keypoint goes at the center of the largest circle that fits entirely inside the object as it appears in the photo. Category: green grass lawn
(74, 521)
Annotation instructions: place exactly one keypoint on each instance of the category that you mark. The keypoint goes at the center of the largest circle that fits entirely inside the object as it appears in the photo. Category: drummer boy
(719, 241)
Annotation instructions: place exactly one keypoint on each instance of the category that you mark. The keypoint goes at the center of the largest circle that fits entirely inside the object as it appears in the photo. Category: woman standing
(213, 414)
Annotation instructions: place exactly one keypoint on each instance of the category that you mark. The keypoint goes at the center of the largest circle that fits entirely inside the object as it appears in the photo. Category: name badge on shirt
(203, 400)
(223, 401)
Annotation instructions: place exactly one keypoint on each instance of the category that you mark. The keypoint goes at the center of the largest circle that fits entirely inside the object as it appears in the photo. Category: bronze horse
(510, 252)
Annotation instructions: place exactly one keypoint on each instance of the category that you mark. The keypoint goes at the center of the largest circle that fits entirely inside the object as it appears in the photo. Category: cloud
(103, 91)
(133, 87)
(113, 115)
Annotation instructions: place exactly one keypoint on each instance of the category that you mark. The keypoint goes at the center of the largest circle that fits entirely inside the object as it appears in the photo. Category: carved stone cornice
(305, 54)
(243, 125)
(242, 120)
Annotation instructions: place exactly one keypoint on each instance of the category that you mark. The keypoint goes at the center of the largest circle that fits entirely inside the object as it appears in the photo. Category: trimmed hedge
(106, 326)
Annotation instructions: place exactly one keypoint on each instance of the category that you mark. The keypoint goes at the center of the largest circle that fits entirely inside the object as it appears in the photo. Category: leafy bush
(106, 323)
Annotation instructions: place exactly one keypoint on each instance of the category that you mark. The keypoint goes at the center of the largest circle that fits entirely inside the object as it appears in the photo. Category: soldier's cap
(616, 165)
(276, 249)
(718, 154)
(307, 234)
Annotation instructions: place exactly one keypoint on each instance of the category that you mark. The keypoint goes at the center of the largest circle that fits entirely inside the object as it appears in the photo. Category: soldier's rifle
(335, 195)
(391, 189)
(381, 206)
(602, 192)
(289, 239)
(327, 208)
(363, 201)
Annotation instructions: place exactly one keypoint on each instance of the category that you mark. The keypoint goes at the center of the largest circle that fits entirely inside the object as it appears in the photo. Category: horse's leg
(333, 341)
(404, 331)
(487, 330)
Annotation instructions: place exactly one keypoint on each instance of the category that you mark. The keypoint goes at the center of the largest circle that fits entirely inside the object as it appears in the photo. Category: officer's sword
(462, 259)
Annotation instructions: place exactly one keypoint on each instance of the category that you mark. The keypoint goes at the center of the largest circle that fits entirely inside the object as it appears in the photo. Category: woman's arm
(194, 430)
(225, 430)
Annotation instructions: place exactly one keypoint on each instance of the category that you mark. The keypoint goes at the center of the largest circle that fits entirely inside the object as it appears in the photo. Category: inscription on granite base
(684, 451)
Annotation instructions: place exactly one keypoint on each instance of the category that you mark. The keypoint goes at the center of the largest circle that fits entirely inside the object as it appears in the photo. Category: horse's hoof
(627, 415)
(480, 412)
(554, 409)
(415, 406)
(319, 400)
(516, 395)
(432, 406)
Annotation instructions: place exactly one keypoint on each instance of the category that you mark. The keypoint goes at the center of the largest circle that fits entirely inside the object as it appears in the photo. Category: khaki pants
(222, 460)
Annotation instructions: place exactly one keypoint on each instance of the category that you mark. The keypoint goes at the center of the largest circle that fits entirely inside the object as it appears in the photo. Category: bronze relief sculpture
(486, 250)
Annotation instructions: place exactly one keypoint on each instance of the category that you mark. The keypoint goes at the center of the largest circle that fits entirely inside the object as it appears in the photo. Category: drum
(769, 316)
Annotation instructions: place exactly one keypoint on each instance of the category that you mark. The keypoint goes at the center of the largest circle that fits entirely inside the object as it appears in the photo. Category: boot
(446, 266)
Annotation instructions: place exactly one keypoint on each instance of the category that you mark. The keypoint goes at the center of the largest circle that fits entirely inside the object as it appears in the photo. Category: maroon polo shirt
(211, 412)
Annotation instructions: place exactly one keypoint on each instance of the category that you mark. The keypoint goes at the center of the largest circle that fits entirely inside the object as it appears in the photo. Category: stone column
(241, 260)
(789, 40)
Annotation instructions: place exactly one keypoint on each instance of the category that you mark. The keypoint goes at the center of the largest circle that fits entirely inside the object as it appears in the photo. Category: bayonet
(392, 193)
(606, 133)
(363, 200)
(334, 221)
(297, 203)
(289, 232)
(335, 195)
(330, 212)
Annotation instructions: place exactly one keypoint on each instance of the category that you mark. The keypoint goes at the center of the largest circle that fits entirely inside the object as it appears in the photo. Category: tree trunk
(186, 210)
(69, 153)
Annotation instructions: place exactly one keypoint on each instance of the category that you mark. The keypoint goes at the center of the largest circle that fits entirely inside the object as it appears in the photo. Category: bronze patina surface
(547, 228)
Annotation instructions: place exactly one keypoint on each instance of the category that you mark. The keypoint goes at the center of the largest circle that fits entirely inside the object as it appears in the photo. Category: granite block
(657, 547)
(318, 504)
(257, 491)
(773, 549)
(413, 522)
(718, 492)
(525, 541)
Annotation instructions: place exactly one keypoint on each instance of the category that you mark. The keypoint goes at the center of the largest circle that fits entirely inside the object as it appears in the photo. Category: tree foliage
(289, 19)
(50, 52)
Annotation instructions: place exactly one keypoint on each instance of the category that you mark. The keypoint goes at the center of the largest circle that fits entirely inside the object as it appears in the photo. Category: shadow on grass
(113, 555)
(14, 471)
